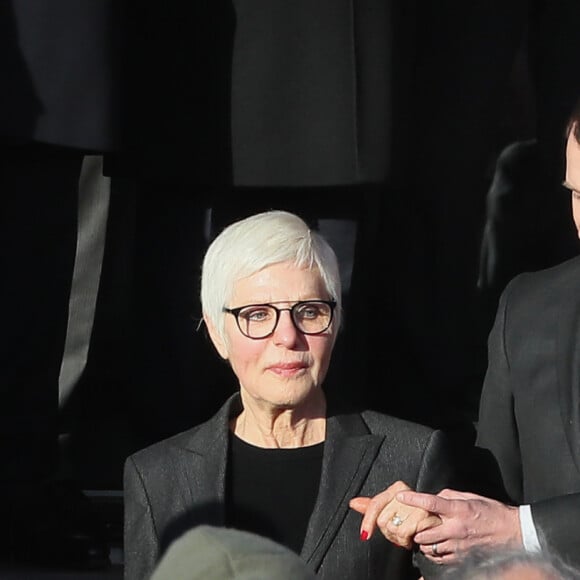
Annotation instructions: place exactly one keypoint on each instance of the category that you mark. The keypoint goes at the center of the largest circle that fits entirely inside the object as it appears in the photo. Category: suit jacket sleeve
(558, 526)
(141, 544)
(497, 429)
(438, 471)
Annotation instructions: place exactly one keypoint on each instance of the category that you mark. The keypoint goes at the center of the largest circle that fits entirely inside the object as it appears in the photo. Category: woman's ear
(216, 338)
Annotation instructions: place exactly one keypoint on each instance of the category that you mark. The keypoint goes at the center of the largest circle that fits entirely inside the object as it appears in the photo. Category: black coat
(264, 94)
(60, 70)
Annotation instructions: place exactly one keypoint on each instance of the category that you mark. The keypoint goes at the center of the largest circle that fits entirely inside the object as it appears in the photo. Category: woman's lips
(287, 369)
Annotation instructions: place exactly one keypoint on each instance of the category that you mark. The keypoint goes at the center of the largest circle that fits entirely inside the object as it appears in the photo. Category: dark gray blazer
(530, 404)
(179, 483)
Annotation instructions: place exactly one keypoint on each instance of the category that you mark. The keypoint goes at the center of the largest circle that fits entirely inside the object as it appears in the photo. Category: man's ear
(216, 338)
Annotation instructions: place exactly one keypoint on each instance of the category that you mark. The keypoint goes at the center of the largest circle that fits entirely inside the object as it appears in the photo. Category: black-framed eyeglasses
(260, 320)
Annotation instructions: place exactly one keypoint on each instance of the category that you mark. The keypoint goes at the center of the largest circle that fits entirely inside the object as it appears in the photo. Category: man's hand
(467, 520)
(397, 522)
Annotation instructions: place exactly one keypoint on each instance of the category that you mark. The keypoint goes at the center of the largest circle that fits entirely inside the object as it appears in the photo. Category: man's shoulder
(558, 278)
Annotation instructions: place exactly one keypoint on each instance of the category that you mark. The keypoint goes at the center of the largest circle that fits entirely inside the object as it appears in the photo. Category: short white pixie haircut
(254, 243)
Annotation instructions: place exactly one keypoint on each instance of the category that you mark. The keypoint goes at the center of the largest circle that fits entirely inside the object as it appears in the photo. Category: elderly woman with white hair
(278, 459)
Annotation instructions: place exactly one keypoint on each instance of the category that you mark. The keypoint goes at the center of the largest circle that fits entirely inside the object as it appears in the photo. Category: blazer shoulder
(198, 438)
(383, 424)
(152, 454)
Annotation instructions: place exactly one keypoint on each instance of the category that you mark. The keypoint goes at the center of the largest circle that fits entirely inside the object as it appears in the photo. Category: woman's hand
(398, 522)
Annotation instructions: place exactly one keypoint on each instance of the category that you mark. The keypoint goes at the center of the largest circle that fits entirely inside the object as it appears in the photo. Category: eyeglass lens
(261, 320)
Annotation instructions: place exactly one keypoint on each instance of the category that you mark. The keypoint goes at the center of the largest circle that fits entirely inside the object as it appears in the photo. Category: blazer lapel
(203, 462)
(349, 450)
(568, 348)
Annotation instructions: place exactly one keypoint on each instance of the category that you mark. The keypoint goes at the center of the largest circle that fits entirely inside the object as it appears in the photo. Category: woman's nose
(286, 332)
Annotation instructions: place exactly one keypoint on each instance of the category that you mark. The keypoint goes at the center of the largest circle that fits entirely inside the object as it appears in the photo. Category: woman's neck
(281, 428)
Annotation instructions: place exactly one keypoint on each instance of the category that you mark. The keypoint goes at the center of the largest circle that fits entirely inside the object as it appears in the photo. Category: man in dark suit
(58, 104)
(529, 416)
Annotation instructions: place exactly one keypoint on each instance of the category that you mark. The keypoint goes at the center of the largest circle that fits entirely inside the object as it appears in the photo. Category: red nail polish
(364, 535)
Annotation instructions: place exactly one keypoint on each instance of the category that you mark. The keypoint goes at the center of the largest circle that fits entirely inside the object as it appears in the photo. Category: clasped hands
(443, 525)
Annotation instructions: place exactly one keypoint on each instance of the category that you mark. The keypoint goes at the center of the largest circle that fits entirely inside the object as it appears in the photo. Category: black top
(272, 492)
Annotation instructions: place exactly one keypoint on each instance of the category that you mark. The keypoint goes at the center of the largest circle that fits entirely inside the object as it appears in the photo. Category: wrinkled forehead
(279, 283)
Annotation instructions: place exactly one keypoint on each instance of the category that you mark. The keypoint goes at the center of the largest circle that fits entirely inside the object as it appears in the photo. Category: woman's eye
(309, 312)
(256, 315)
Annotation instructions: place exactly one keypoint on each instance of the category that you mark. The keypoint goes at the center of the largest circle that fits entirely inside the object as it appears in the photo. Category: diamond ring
(396, 520)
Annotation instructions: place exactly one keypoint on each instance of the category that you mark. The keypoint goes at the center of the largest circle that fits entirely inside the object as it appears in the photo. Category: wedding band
(396, 520)
(434, 549)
